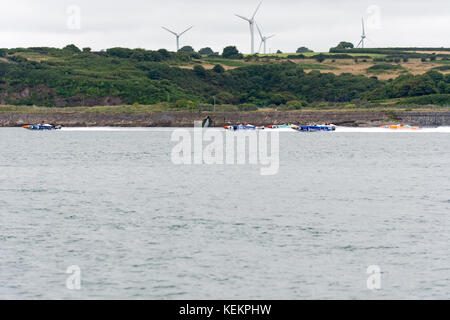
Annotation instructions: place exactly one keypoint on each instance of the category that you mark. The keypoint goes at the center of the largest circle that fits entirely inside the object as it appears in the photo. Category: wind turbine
(178, 35)
(263, 40)
(363, 36)
(252, 26)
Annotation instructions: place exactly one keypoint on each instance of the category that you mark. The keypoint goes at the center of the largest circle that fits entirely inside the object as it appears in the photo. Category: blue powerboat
(317, 128)
(42, 127)
(243, 127)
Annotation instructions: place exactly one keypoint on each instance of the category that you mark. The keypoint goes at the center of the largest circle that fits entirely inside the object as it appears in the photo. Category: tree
(279, 52)
(86, 49)
(184, 105)
(187, 49)
(72, 48)
(295, 104)
(164, 53)
(321, 58)
(200, 71)
(120, 52)
(231, 52)
(206, 51)
(345, 45)
(218, 68)
(303, 50)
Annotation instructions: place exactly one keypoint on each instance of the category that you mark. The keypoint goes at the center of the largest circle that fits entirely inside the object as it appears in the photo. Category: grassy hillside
(70, 77)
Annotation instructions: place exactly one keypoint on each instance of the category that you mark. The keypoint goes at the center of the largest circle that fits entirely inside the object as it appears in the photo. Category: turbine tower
(363, 36)
(178, 35)
(263, 40)
(251, 22)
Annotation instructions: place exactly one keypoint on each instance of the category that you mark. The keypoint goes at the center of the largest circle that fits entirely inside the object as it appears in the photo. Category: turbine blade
(243, 18)
(270, 36)
(259, 30)
(186, 30)
(364, 31)
(256, 11)
(174, 33)
(359, 43)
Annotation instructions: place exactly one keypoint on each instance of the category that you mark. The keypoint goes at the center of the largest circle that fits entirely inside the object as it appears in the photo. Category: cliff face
(184, 119)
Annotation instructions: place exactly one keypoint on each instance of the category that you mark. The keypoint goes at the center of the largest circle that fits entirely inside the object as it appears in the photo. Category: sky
(316, 24)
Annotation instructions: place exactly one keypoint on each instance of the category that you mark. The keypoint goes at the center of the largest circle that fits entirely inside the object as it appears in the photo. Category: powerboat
(283, 126)
(42, 127)
(244, 126)
(316, 128)
(400, 127)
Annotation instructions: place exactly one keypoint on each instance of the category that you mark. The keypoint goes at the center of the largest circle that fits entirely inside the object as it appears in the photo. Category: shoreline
(260, 118)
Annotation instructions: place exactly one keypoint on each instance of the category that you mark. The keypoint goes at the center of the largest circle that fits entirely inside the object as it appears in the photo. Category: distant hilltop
(189, 80)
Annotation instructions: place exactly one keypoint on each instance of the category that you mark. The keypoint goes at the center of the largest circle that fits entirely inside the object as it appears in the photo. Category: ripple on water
(140, 227)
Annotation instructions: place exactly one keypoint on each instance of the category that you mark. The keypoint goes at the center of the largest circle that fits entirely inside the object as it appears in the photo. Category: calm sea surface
(140, 227)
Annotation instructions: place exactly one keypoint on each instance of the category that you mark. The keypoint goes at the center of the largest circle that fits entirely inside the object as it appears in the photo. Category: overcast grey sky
(317, 24)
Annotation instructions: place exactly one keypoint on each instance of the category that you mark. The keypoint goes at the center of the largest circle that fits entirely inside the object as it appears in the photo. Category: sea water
(111, 204)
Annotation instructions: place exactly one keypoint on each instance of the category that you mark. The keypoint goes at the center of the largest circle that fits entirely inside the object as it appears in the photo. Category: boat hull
(243, 128)
(40, 127)
(316, 128)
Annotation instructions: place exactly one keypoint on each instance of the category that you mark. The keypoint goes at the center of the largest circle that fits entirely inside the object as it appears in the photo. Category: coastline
(187, 119)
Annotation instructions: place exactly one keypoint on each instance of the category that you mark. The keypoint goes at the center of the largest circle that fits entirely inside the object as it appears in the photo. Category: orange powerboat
(400, 127)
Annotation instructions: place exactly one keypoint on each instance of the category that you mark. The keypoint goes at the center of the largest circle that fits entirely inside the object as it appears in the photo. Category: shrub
(187, 49)
(72, 48)
(164, 53)
(303, 50)
(184, 105)
(320, 58)
(218, 68)
(206, 51)
(296, 56)
(120, 52)
(200, 71)
(345, 45)
(231, 52)
(295, 104)
(384, 67)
